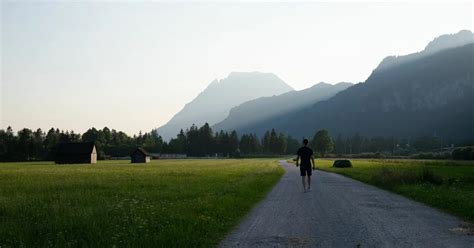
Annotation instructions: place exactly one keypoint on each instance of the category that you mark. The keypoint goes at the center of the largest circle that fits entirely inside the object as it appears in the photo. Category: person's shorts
(305, 170)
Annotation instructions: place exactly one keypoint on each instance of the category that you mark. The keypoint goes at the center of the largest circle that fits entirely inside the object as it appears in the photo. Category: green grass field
(171, 203)
(447, 185)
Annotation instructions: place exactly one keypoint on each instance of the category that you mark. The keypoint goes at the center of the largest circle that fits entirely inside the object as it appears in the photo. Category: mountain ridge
(430, 95)
(214, 102)
(401, 101)
(439, 43)
(263, 108)
(430, 88)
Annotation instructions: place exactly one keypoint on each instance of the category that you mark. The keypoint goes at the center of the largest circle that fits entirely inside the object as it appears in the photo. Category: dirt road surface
(342, 212)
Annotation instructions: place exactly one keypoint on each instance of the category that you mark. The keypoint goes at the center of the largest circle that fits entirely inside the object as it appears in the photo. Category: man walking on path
(306, 155)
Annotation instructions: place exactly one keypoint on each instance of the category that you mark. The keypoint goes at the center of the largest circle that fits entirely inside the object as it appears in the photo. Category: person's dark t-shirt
(305, 154)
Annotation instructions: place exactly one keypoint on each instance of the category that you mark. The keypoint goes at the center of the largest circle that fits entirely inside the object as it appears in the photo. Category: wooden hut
(76, 153)
(140, 156)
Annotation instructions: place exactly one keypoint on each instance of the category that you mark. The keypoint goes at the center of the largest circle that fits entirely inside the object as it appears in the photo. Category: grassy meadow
(447, 185)
(166, 203)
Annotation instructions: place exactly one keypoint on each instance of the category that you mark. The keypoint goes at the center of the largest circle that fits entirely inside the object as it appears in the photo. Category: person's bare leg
(309, 183)
(304, 183)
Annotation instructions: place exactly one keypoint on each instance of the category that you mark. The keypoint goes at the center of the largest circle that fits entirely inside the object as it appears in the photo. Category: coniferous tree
(322, 142)
(281, 144)
(292, 145)
(255, 144)
(25, 144)
(274, 142)
(266, 142)
(206, 141)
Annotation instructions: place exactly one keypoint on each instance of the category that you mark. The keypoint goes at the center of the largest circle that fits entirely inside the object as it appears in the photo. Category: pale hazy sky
(132, 65)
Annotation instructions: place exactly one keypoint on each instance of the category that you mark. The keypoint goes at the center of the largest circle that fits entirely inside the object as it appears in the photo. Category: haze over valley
(427, 93)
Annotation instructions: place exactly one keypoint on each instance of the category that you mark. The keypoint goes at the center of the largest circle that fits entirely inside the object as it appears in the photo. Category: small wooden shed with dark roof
(76, 153)
(140, 156)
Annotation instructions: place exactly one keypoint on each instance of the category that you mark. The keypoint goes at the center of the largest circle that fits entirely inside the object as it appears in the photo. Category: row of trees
(38, 145)
(204, 142)
(27, 144)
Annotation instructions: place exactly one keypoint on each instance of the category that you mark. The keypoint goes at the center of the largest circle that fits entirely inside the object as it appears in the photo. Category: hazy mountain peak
(236, 74)
(460, 38)
(213, 104)
(320, 84)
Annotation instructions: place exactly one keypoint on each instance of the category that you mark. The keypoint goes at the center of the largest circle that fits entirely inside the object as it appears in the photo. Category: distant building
(76, 153)
(172, 156)
(140, 156)
(154, 155)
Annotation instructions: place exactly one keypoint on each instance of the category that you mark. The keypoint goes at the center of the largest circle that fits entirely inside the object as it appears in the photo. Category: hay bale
(343, 163)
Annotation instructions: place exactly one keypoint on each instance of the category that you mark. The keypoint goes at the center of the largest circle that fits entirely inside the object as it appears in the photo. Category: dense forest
(29, 145)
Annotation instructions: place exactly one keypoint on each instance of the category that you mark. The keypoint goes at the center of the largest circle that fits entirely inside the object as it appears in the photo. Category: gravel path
(341, 212)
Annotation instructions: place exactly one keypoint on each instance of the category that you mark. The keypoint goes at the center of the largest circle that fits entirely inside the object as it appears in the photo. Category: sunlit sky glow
(132, 65)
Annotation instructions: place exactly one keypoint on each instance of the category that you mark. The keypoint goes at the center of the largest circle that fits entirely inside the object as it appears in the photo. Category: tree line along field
(29, 145)
(446, 185)
(178, 203)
